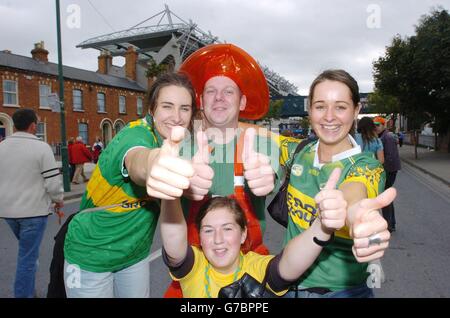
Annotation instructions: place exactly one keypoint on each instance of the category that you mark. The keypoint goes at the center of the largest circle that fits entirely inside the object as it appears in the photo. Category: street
(417, 261)
(415, 265)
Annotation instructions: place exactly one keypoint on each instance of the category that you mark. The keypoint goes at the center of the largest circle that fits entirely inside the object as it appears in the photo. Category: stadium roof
(185, 36)
(293, 106)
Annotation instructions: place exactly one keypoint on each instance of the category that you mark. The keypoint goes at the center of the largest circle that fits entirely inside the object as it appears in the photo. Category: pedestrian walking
(401, 136)
(367, 138)
(80, 155)
(97, 149)
(391, 166)
(30, 185)
(70, 144)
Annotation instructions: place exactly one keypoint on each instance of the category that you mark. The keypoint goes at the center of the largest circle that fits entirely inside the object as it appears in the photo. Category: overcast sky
(295, 38)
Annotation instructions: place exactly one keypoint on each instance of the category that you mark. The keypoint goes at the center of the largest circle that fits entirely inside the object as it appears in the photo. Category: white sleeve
(52, 176)
(123, 169)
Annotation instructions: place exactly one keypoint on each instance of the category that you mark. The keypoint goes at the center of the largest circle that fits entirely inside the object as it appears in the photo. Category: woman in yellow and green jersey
(219, 260)
(341, 268)
(108, 242)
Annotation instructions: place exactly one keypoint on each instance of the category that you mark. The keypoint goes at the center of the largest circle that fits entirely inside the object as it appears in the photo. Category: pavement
(434, 163)
(77, 190)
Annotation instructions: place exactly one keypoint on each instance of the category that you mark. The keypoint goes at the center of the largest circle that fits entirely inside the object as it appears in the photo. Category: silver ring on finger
(374, 239)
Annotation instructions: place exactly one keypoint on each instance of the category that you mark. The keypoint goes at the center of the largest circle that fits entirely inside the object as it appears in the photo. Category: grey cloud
(297, 39)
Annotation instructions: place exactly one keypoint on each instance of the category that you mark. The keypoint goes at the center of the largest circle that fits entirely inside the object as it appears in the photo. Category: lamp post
(64, 154)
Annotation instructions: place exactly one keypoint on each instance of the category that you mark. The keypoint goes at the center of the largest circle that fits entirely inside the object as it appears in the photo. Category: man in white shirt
(29, 186)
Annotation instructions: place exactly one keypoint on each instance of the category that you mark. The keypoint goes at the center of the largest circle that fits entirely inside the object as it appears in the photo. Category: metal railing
(424, 140)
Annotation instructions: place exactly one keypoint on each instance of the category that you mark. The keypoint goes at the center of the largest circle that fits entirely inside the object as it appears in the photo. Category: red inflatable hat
(233, 62)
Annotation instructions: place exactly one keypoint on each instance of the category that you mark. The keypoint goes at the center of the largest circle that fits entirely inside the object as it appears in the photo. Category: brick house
(96, 103)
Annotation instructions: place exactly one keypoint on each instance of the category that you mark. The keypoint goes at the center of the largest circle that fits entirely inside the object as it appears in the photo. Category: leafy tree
(153, 69)
(413, 78)
(432, 59)
(304, 123)
(274, 109)
(384, 104)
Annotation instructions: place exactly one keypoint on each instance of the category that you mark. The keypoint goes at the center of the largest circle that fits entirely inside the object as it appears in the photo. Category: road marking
(155, 255)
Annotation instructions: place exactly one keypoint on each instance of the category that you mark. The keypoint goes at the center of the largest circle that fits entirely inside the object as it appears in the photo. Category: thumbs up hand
(169, 174)
(257, 169)
(369, 228)
(331, 204)
(201, 181)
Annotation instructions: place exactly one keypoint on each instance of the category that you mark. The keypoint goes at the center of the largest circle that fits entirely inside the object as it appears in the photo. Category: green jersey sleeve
(368, 171)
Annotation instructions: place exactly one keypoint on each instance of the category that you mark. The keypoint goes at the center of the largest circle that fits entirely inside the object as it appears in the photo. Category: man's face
(221, 102)
(379, 128)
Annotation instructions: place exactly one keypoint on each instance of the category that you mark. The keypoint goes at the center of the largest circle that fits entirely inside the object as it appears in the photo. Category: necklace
(207, 279)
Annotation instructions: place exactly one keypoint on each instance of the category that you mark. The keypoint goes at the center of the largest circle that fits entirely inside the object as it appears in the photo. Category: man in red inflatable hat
(230, 158)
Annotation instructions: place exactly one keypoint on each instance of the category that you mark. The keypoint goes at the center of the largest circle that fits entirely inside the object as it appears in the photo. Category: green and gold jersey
(336, 268)
(120, 231)
(203, 281)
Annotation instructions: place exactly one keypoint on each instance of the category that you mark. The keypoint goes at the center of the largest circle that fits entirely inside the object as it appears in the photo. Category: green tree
(153, 69)
(304, 123)
(274, 109)
(414, 74)
(432, 59)
(384, 104)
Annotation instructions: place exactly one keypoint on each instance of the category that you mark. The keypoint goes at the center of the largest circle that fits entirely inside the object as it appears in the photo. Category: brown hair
(222, 202)
(367, 129)
(337, 76)
(169, 79)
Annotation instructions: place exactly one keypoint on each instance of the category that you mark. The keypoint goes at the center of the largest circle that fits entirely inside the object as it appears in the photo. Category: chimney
(39, 53)
(104, 62)
(131, 57)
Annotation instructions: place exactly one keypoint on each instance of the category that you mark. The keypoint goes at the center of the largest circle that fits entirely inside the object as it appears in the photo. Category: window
(40, 133)
(139, 105)
(9, 92)
(83, 132)
(101, 103)
(44, 91)
(77, 99)
(2, 131)
(118, 126)
(122, 105)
